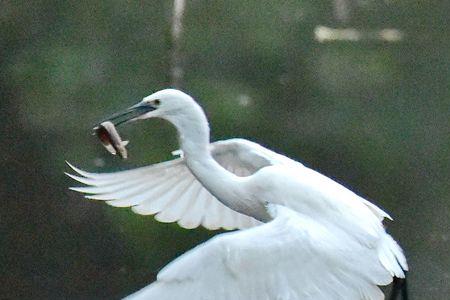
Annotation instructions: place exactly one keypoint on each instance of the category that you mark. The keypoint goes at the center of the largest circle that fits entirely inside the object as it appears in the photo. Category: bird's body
(310, 237)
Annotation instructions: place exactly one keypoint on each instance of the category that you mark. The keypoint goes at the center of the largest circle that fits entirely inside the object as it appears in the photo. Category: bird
(297, 234)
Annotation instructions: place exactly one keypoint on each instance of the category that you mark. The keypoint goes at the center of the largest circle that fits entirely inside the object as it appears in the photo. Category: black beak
(130, 113)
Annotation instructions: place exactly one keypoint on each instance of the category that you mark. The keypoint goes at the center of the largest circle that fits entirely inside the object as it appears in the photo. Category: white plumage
(303, 235)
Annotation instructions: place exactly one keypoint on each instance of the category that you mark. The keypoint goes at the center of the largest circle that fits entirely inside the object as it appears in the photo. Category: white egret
(309, 237)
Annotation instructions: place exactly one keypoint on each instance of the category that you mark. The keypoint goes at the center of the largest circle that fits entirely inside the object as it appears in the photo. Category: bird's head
(169, 104)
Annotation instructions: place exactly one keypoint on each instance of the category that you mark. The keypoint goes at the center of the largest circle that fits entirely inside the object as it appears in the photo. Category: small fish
(110, 139)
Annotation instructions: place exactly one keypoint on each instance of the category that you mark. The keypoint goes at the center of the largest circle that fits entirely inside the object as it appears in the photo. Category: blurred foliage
(373, 115)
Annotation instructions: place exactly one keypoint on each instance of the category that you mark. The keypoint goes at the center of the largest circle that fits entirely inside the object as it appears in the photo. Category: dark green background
(373, 115)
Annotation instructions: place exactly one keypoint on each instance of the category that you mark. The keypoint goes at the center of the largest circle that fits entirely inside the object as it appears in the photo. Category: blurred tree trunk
(176, 70)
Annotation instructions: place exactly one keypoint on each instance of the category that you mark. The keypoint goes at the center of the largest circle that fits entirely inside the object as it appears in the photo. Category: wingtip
(73, 167)
(387, 216)
(83, 180)
(79, 171)
(74, 188)
(75, 177)
(70, 165)
(101, 197)
(79, 189)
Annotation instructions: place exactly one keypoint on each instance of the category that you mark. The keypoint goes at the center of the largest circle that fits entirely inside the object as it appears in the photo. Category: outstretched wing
(171, 192)
(291, 257)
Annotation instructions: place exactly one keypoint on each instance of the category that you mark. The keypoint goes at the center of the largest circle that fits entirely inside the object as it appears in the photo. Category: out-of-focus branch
(342, 11)
(176, 70)
(326, 34)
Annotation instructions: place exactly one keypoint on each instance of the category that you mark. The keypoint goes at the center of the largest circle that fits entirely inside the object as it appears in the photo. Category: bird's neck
(194, 138)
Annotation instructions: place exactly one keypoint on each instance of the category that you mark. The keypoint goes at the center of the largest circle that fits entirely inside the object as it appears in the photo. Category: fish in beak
(107, 133)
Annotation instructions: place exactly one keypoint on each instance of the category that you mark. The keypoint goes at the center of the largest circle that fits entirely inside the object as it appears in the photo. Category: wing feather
(178, 205)
(192, 218)
(153, 189)
(229, 220)
(282, 259)
(164, 195)
(166, 189)
(211, 220)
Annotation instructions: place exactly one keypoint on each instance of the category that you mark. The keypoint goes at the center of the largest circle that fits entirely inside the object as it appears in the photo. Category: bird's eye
(156, 102)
